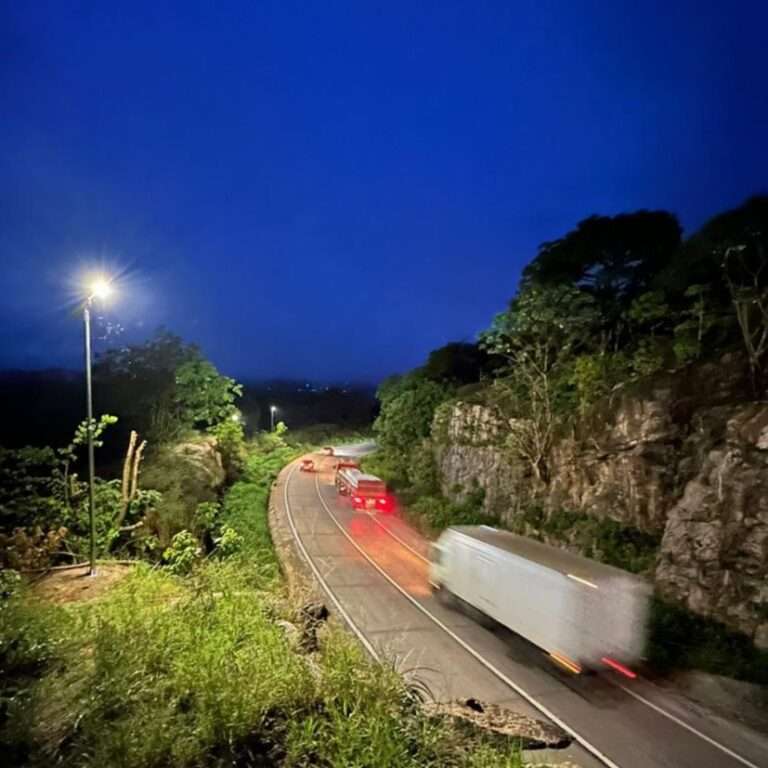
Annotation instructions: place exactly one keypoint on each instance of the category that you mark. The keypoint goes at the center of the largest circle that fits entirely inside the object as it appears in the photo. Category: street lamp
(272, 412)
(98, 289)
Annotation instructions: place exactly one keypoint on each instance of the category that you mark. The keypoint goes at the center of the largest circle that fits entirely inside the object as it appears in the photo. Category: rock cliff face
(684, 457)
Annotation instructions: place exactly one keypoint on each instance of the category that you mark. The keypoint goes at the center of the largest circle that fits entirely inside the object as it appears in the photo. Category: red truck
(367, 492)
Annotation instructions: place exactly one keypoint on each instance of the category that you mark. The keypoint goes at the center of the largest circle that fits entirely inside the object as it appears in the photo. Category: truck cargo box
(583, 613)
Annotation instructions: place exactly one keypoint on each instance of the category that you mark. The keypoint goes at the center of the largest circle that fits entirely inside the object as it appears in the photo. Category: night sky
(330, 190)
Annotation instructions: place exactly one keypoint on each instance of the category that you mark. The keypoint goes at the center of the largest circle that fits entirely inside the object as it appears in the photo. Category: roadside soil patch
(76, 584)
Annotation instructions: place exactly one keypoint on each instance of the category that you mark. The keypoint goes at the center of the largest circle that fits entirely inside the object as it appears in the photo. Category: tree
(138, 383)
(727, 261)
(408, 405)
(696, 320)
(614, 259)
(457, 362)
(746, 272)
(162, 387)
(648, 314)
(204, 396)
(68, 454)
(539, 336)
(699, 261)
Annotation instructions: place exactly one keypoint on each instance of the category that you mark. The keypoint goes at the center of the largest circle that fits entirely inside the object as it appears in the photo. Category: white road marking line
(363, 639)
(688, 727)
(487, 664)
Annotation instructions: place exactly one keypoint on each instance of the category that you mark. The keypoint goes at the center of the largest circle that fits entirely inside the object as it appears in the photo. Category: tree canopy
(458, 362)
(162, 387)
(612, 257)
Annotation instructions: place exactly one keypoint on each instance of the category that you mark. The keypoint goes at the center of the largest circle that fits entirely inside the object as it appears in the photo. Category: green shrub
(390, 471)
(207, 516)
(602, 539)
(680, 639)
(594, 375)
(229, 542)
(649, 356)
(230, 442)
(435, 513)
(622, 546)
(186, 475)
(422, 469)
(183, 553)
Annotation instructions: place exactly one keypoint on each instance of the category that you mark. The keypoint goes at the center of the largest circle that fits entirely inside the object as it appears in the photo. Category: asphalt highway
(374, 569)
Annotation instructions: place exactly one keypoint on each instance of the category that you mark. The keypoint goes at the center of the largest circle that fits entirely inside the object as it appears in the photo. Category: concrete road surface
(374, 570)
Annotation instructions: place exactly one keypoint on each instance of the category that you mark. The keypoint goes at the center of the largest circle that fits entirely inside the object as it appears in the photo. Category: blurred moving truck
(584, 614)
(365, 491)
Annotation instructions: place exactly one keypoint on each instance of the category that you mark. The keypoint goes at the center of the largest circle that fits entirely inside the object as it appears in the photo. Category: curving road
(374, 570)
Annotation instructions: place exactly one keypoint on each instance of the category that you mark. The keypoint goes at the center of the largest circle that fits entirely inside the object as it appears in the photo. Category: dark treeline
(43, 407)
(301, 405)
(40, 407)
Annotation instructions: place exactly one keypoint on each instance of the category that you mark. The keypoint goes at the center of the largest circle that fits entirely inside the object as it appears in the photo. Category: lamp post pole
(89, 416)
(272, 410)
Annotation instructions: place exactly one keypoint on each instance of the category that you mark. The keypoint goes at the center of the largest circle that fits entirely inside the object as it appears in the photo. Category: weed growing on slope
(602, 539)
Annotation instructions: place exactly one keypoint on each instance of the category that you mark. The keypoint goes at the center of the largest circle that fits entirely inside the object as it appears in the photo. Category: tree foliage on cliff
(538, 336)
(408, 405)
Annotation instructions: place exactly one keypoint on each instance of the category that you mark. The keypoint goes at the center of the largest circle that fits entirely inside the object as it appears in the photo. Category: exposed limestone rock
(714, 554)
(502, 723)
(685, 456)
(203, 460)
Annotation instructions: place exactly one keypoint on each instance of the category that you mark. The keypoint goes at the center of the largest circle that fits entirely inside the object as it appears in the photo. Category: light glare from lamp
(100, 289)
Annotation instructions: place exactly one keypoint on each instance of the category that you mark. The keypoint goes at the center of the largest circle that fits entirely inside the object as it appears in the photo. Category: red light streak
(613, 664)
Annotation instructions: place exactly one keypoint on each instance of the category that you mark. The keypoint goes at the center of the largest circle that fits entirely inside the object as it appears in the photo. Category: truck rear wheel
(444, 596)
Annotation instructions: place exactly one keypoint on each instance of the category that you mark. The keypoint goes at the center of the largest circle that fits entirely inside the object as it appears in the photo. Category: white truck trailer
(584, 614)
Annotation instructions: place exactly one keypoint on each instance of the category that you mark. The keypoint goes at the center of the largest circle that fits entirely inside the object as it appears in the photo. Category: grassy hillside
(198, 670)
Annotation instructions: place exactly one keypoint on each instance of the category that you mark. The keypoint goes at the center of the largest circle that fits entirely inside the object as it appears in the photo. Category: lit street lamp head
(100, 289)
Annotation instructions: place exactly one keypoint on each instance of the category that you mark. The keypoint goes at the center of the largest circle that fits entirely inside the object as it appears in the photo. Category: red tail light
(613, 664)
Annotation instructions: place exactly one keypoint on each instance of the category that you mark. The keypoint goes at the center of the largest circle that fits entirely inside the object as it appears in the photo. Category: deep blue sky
(330, 190)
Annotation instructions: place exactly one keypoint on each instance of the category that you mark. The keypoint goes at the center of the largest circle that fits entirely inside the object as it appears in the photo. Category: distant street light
(272, 412)
(98, 289)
